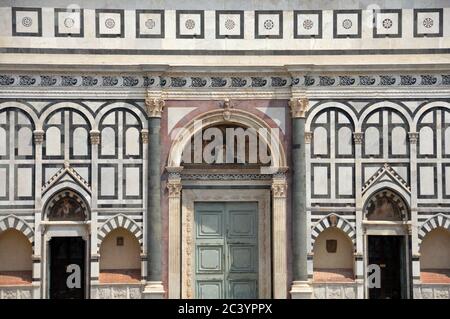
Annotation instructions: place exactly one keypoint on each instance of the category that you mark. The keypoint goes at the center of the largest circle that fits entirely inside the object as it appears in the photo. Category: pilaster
(279, 195)
(174, 191)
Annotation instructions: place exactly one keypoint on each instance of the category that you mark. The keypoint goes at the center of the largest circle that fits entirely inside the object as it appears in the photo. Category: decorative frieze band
(223, 82)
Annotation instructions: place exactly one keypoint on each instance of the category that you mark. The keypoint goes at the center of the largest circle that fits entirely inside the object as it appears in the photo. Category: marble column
(94, 254)
(301, 288)
(279, 187)
(358, 138)
(174, 188)
(154, 288)
(36, 257)
(413, 138)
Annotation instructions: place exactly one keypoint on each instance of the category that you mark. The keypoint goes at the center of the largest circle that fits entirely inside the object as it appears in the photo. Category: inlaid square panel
(240, 289)
(230, 24)
(242, 258)
(69, 23)
(27, 22)
(190, 24)
(387, 23)
(242, 224)
(209, 259)
(209, 224)
(428, 22)
(347, 24)
(208, 289)
(150, 24)
(307, 24)
(109, 23)
(268, 24)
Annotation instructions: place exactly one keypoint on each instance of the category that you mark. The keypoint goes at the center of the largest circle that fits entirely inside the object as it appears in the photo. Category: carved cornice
(154, 106)
(299, 107)
(174, 173)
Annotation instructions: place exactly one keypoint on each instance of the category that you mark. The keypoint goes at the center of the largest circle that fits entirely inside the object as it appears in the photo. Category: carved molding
(299, 107)
(223, 81)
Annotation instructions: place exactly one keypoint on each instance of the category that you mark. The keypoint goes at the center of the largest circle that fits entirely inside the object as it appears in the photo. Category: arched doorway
(66, 236)
(387, 242)
(227, 231)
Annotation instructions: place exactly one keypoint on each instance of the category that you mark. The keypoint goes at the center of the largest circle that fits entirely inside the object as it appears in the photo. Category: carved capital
(144, 136)
(227, 109)
(174, 189)
(358, 137)
(299, 107)
(154, 106)
(95, 137)
(308, 137)
(38, 137)
(413, 137)
(279, 189)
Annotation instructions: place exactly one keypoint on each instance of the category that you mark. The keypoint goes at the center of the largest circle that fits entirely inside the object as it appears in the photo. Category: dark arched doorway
(388, 246)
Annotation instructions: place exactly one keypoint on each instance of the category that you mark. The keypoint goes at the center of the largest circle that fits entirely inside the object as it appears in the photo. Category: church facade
(291, 149)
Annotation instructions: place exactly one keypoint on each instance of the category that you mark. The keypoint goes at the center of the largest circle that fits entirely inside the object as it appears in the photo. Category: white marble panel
(320, 180)
(426, 186)
(24, 181)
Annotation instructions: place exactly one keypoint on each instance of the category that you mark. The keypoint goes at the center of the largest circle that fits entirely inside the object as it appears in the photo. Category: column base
(301, 290)
(153, 290)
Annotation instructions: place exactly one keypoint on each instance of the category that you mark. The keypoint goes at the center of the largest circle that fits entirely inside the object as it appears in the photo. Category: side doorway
(67, 268)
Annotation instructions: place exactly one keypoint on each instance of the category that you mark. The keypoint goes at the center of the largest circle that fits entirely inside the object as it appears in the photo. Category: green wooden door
(226, 249)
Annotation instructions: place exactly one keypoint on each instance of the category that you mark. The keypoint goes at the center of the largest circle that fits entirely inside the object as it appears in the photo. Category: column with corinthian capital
(301, 289)
(154, 288)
